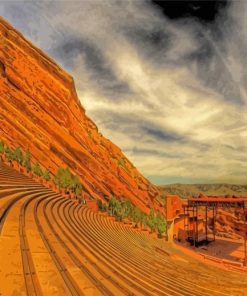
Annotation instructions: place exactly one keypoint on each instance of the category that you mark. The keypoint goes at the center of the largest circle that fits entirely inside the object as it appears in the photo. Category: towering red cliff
(40, 111)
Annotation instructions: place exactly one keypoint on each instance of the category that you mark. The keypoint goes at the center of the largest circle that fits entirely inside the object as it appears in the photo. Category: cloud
(170, 93)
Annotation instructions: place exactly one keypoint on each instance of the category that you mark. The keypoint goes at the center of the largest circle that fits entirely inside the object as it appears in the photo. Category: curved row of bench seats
(22, 272)
(173, 270)
(86, 233)
(67, 249)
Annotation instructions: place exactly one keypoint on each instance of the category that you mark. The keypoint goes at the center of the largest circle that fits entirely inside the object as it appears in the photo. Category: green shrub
(124, 208)
(64, 179)
(112, 206)
(18, 155)
(37, 170)
(2, 146)
(47, 175)
(105, 208)
(127, 208)
(160, 224)
(9, 154)
(27, 161)
(151, 221)
(145, 219)
(76, 185)
(102, 206)
(136, 215)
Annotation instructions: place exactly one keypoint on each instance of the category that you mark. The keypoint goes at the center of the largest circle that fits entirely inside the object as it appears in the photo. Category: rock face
(40, 111)
(230, 223)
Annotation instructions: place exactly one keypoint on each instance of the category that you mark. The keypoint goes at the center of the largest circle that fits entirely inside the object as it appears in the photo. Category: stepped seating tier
(51, 245)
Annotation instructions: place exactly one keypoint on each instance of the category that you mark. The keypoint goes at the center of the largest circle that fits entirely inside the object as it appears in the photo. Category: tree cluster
(125, 209)
(24, 159)
(119, 208)
(16, 154)
(65, 179)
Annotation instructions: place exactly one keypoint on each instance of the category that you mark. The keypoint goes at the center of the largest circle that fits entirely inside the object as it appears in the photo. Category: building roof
(219, 201)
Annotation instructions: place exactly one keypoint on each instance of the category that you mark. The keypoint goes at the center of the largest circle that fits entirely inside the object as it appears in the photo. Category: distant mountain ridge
(219, 189)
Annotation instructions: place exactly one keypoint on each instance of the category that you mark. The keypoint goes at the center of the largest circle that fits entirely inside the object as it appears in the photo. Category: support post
(194, 239)
(214, 222)
(184, 220)
(188, 221)
(206, 224)
(245, 239)
(196, 224)
(216, 210)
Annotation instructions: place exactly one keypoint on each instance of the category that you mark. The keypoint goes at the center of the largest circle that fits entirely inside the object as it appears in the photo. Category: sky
(165, 81)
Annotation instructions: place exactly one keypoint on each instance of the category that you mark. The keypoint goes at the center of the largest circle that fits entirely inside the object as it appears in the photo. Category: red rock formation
(40, 111)
(230, 223)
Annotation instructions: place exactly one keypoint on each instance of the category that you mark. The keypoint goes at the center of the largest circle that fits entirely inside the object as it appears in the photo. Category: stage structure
(191, 213)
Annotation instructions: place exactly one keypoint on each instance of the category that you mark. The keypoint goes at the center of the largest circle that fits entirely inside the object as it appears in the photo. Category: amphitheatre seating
(51, 245)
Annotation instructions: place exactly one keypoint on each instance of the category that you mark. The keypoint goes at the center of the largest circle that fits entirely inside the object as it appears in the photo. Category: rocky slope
(40, 111)
(185, 190)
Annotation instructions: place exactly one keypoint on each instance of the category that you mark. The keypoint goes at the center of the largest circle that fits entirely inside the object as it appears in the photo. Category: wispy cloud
(171, 94)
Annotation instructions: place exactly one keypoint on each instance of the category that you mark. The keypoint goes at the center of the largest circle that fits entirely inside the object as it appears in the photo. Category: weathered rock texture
(230, 223)
(40, 111)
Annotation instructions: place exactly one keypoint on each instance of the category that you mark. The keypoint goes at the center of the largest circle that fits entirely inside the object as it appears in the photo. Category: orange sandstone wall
(173, 206)
(175, 219)
(178, 229)
(230, 223)
(40, 111)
